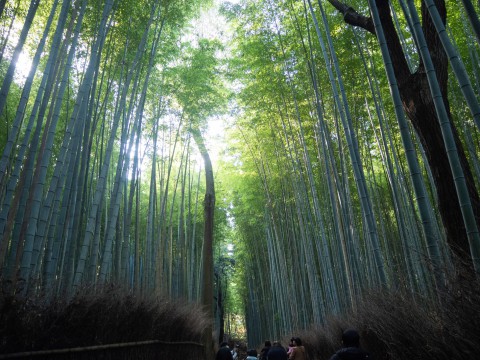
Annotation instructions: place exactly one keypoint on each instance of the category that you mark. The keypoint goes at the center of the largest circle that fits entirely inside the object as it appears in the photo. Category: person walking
(251, 354)
(265, 349)
(290, 346)
(233, 349)
(277, 352)
(351, 347)
(224, 352)
(298, 351)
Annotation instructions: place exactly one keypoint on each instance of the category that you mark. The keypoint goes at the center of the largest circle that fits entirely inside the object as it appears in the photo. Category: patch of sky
(212, 25)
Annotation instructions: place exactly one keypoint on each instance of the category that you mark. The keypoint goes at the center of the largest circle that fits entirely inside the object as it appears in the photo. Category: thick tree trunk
(209, 211)
(420, 109)
(221, 310)
(421, 112)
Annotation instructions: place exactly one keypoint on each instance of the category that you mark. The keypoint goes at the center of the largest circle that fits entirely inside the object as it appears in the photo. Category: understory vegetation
(397, 325)
(392, 324)
(107, 316)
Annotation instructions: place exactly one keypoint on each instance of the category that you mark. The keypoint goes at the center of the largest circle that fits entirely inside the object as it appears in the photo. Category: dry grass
(397, 326)
(106, 317)
(393, 325)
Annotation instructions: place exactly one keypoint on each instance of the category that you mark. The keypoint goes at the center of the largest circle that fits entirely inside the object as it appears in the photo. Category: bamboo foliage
(345, 193)
(73, 177)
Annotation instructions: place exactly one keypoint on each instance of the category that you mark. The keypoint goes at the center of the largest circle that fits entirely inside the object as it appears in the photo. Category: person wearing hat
(351, 347)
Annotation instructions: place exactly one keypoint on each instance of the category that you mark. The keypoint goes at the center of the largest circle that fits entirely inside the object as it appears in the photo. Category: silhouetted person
(251, 354)
(277, 352)
(351, 347)
(224, 352)
(265, 350)
(233, 350)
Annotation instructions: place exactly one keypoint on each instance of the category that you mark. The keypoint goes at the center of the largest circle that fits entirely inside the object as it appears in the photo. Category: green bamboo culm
(456, 62)
(354, 154)
(100, 188)
(34, 217)
(472, 17)
(453, 158)
(324, 151)
(411, 236)
(318, 235)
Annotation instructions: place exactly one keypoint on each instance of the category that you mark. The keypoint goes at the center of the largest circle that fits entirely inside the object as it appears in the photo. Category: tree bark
(209, 210)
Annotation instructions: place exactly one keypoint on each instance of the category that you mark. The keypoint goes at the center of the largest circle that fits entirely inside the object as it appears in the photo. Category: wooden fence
(141, 350)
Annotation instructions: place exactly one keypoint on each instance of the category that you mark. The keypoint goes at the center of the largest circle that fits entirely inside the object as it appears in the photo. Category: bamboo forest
(256, 169)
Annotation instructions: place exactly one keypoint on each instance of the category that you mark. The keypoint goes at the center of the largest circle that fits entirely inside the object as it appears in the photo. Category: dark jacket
(264, 352)
(351, 353)
(277, 353)
(224, 353)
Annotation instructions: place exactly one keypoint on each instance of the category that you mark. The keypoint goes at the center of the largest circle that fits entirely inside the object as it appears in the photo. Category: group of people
(296, 351)
(275, 351)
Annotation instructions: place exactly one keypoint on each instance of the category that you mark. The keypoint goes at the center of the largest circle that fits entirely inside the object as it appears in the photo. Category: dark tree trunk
(419, 107)
(209, 211)
(221, 310)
